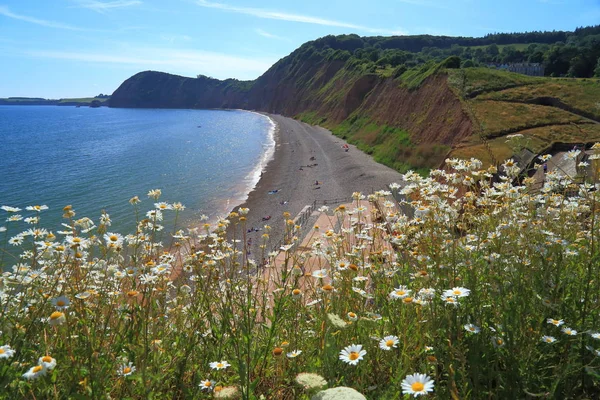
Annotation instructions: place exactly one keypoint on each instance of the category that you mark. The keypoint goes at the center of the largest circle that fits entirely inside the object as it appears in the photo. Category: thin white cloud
(183, 61)
(267, 34)
(50, 24)
(306, 19)
(172, 38)
(104, 6)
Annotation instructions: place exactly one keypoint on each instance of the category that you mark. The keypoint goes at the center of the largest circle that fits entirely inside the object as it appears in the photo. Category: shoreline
(304, 155)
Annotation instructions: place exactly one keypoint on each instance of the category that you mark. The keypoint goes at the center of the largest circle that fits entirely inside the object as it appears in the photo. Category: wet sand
(338, 173)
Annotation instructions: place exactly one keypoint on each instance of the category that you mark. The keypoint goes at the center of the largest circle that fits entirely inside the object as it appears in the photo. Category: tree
(597, 70)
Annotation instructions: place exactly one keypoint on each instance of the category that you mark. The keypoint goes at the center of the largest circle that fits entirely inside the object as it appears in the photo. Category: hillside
(400, 100)
(37, 101)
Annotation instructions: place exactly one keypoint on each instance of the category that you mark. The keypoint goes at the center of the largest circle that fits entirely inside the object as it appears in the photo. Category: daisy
(388, 342)
(36, 208)
(113, 239)
(352, 316)
(417, 384)
(219, 365)
(472, 328)
(294, 353)
(61, 303)
(457, 292)
(47, 362)
(207, 385)
(569, 331)
(352, 354)
(595, 335)
(6, 351)
(320, 273)
(296, 293)
(555, 322)
(57, 318)
(126, 369)
(35, 372)
(400, 292)
(548, 339)
(498, 341)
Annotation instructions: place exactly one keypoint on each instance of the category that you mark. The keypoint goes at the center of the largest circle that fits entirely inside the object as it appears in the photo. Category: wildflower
(6, 351)
(472, 328)
(548, 339)
(388, 342)
(36, 208)
(10, 209)
(310, 381)
(457, 292)
(294, 353)
(417, 384)
(450, 300)
(569, 331)
(219, 365)
(154, 193)
(296, 293)
(84, 295)
(498, 341)
(113, 239)
(207, 385)
(35, 372)
(336, 321)
(61, 303)
(400, 292)
(320, 273)
(352, 316)
(47, 362)
(352, 354)
(277, 351)
(595, 335)
(555, 322)
(228, 392)
(57, 318)
(126, 369)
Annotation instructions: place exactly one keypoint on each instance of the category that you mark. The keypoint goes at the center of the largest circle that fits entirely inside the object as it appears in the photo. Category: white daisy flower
(6, 351)
(126, 369)
(219, 365)
(35, 372)
(569, 331)
(320, 273)
(388, 342)
(457, 292)
(417, 384)
(294, 353)
(61, 303)
(400, 292)
(555, 322)
(207, 385)
(352, 354)
(57, 318)
(47, 362)
(548, 339)
(472, 328)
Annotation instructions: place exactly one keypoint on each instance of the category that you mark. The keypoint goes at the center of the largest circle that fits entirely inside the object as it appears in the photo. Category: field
(493, 295)
(545, 110)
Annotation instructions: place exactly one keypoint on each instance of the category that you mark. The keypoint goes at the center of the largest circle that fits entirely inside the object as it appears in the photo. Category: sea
(96, 159)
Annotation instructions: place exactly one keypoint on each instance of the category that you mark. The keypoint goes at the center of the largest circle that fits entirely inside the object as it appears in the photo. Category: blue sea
(98, 158)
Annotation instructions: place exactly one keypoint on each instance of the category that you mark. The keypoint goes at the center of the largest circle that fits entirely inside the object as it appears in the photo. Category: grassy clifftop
(396, 99)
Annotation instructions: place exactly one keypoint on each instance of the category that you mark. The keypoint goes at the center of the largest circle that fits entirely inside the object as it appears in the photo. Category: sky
(81, 48)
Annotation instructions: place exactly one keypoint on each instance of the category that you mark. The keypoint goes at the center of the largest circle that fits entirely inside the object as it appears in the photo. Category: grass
(465, 288)
(470, 81)
(581, 94)
(499, 118)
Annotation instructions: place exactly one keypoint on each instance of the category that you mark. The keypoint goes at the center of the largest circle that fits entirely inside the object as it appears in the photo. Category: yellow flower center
(499, 341)
(351, 315)
(389, 343)
(76, 240)
(407, 299)
(400, 292)
(2, 350)
(328, 288)
(113, 238)
(353, 356)
(457, 292)
(126, 370)
(296, 292)
(277, 351)
(417, 387)
(548, 340)
(47, 359)
(471, 328)
(56, 315)
(60, 303)
(132, 293)
(220, 365)
(207, 384)
(37, 369)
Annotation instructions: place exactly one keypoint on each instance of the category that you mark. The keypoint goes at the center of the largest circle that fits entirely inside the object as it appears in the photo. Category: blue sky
(73, 48)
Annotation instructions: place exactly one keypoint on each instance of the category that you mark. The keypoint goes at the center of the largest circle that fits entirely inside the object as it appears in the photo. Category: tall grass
(461, 278)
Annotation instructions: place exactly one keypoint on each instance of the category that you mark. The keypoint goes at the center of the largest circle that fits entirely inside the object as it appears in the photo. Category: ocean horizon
(96, 159)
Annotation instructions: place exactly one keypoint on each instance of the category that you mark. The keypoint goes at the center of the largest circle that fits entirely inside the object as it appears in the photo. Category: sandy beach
(293, 174)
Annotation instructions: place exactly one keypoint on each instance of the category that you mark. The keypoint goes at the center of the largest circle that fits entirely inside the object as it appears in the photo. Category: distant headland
(96, 101)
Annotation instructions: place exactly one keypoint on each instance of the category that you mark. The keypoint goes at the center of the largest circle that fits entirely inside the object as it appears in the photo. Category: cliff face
(364, 107)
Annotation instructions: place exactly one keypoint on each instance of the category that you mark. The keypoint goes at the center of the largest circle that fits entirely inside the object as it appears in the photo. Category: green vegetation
(492, 295)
